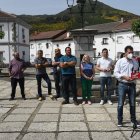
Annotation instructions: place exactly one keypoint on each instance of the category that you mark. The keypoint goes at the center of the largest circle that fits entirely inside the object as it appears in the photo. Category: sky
(49, 7)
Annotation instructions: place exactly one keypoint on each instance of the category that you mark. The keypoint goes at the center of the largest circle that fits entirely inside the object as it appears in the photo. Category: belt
(127, 84)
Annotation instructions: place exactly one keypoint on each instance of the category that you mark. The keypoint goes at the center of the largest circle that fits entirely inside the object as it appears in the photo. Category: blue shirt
(70, 69)
(87, 69)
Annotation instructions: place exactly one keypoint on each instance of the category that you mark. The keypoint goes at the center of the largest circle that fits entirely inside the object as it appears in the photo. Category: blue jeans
(48, 81)
(105, 81)
(131, 91)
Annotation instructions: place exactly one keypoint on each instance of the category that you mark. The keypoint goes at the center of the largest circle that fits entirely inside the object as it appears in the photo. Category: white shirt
(124, 67)
(105, 63)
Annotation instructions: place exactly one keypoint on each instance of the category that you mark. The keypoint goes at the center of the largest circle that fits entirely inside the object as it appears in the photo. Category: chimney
(68, 35)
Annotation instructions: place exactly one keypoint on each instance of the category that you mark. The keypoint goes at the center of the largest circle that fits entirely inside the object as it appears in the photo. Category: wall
(7, 43)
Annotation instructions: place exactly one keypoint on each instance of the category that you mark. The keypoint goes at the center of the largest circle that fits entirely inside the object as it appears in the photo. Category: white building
(115, 36)
(48, 42)
(15, 38)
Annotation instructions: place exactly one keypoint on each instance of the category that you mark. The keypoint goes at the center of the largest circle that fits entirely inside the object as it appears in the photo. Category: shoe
(49, 93)
(101, 102)
(40, 99)
(11, 99)
(56, 96)
(135, 123)
(52, 97)
(84, 102)
(109, 102)
(24, 98)
(89, 102)
(65, 102)
(120, 124)
(76, 103)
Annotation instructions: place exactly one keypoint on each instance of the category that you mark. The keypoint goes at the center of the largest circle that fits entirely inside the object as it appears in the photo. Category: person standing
(16, 69)
(123, 69)
(105, 66)
(87, 74)
(57, 71)
(40, 64)
(67, 64)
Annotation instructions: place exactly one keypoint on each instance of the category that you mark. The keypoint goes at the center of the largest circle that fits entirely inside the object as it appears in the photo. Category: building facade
(15, 37)
(115, 37)
(48, 42)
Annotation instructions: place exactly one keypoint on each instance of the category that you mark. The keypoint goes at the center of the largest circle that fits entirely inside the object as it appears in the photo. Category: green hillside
(65, 20)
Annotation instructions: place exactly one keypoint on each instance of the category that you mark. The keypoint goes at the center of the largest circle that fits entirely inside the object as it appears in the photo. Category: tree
(136, 27)
(2, 34)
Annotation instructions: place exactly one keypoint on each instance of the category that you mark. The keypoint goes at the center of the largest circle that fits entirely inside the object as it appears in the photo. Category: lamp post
(81, 6)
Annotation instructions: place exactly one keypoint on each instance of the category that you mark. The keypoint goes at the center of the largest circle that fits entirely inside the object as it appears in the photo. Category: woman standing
(87, 75)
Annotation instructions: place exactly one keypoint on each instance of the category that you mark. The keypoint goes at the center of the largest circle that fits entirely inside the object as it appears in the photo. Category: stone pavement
(49, 120)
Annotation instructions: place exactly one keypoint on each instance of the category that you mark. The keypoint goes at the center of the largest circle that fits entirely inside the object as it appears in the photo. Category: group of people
(65, 76)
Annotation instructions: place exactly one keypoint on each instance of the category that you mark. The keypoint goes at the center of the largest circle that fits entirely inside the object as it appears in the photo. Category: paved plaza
(49, 120)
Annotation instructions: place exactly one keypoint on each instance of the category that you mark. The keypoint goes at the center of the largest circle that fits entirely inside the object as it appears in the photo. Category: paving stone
(114, 110)
(53, 104)
(6, 136)
(6, 106)
(17, 118)
(107, 136)
(98, 117)
(72, 105)
(72, 126)
(94, 110)
(102, 126)
(111, 106)
(4, 102)
(46, 118)
(11, 126)
(4, 110)
(72, 117)
(70, 110)
(126, 117)
(39, 136)
(43, 127)
(23, 110)
(128, 134)
(73, 136)
(138, 109)
(1, 115)
(27, 104)
(49, 110)
(93, 105)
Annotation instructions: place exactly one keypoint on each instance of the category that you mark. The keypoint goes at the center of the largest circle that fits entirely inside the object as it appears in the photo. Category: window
(136, 53)
(0, 28)
(23, 35)
(1, 56)
(47, 45)
(136, 39)
(57, 45)
(39, 46)
(119, 39)
(105, 41)
(47, 55)
(32, 55)
(32, 46)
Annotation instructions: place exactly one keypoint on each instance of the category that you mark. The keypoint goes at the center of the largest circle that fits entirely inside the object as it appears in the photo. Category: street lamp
(81, 6)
